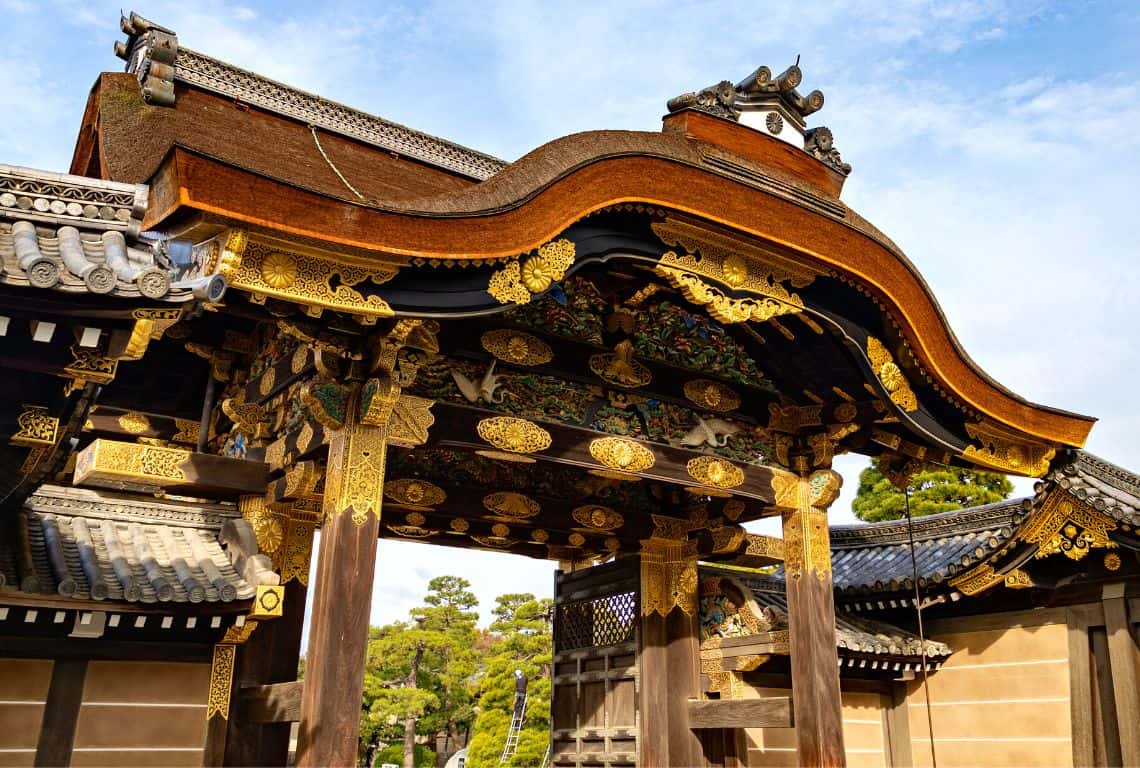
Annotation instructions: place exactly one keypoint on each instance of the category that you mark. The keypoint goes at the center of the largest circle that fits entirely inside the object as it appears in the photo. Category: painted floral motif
(670, 333)
(574, 308)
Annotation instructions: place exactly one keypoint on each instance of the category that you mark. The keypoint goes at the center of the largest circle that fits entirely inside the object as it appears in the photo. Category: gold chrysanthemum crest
(597, 518)
(414, 492)
(890, 375)
(517, 347)
(718, 473)
(623, 455)
(518, 279)
(510, 505)
(712, 395)
(514, 435)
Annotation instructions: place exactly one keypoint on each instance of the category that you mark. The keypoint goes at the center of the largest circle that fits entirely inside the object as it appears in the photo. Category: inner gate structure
(613, 353)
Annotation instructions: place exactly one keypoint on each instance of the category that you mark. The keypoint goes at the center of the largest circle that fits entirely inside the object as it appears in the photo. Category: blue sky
(998, 143)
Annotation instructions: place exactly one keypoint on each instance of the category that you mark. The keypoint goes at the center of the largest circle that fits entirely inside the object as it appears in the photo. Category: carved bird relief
(484, 390)
(714, 433)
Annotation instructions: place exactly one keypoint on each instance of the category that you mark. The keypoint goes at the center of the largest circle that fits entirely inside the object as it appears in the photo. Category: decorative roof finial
(768, 103)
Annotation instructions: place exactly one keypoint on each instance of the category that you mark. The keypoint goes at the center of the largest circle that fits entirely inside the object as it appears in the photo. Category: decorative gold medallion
(619, 368)
(268, 602)
(539, 535)
(515, 435)
(576, 540)
(517, 280)
(621, 454)
(598, 518)
(712, 395)
(713, 471)
(890, 375)
(500, 529)
(134, 422)
(37, 427)
(279, 270)
(414, 492)
(300, 359)
(511, 505)
(415, 518)
(517, 347)
(268, 379)
(1069, 526)
(459, 525)
(1112, 561)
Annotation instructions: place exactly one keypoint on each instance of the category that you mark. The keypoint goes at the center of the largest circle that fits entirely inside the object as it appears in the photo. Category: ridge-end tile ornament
(890, 375)
(513, 435)
(516, 347)
(621, 454)
(519, 279)
(711, 395)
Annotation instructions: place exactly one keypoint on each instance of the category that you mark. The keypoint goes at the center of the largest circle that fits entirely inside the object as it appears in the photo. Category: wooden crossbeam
(741, 713)
(276, 703)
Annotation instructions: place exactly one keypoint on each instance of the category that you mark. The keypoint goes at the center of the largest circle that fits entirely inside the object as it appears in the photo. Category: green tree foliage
(523, 641)
(424, 757)
(443, 632)
(940, 489)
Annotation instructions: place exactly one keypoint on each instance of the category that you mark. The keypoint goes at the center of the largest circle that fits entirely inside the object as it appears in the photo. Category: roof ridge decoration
(153, 55)
(775, 101)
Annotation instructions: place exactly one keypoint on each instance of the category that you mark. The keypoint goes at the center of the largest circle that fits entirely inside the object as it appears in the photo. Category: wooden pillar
(811, 615)
(61, 712)
(1122, 652)
(270, 656)
(669, 655)
(334, 664)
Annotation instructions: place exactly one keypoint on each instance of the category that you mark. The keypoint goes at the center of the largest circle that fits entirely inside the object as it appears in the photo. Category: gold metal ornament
(1067, 525)
(221, 681)
(500, 530)
(134, 422)
(712, 395)
(279, 270)
(415, 518)
(268, 379)
(414, 492)
(514, 435)
(620, 368)
(35, 427)
(411, 421)
(890, 375)
(1112, 561)
(1007, 452)
(668, 577)
(598, 518)
(713, 471)
(459, 525)
(268, 602)
(111, 460)
(89, 365)
(517, 347)
(576, 539)
(519, 279)
(511, 505)
(621, 454)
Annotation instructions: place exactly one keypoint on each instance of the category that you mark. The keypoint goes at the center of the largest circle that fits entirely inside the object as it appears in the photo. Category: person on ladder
(520, 692)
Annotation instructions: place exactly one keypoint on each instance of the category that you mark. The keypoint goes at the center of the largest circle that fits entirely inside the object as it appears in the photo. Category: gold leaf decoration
(299, 360)
(598, 518)
(1007, 452)
(517, 347)
(1069, 526)
(890, 375)
(415, 518)
(279, 270)
(715, 472)
(619, 368)
(516, 281)
(500, 530)
(621, 454)
(414, 492)
(268, 379)
(494, 542)
(134, 422)
(539, 535)
(711, 395)
(459, 525)
(576, 539)
(411, 531)
(515, 435)
(511, 505)
(37, 427)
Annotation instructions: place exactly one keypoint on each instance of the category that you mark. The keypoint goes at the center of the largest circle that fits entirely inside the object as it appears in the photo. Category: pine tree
(523, 641)
(938, 489)
(419, 676)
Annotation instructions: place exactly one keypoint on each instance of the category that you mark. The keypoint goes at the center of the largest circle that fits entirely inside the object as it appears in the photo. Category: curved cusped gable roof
(354, 197)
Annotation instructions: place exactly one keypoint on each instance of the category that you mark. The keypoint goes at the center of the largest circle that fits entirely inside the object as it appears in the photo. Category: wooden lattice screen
(594, 718)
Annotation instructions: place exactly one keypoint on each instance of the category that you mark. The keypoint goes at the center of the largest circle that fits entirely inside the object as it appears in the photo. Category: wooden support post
(334, 665)
(811, 615)
(269, 657)
(669, 656)
(61, 712)
(1122, 652)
